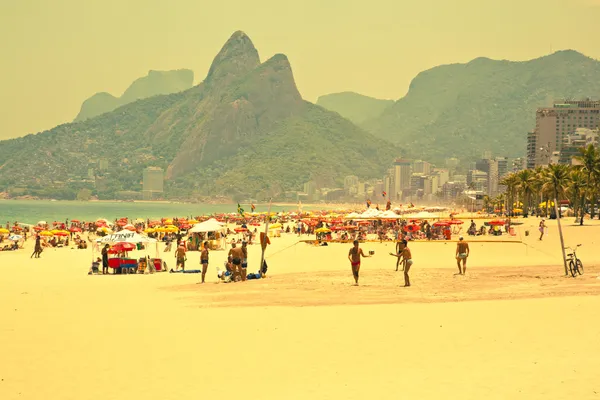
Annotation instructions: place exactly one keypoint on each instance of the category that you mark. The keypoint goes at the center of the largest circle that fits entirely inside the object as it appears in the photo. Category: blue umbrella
(15, 237)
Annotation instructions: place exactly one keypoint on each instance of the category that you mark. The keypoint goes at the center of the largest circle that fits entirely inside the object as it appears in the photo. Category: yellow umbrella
(171, 230)
(323, 230)
(168, 221)
(2, 231)
(275, 226)
(149, 230)
(46, 233)
(160, 229)
(193, 221)
(55, 231)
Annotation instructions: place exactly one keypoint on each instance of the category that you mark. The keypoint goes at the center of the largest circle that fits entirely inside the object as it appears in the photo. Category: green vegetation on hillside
(155, 83)
(462, 110)
(353, 106)
(244, 133)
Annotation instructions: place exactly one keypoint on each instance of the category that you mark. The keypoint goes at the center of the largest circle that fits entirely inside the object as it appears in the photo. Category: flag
(253, 207)
(240, 210)
(383, 193)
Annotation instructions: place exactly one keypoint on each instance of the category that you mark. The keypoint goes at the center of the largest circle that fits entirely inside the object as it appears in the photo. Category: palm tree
(511, 182)
(577, 191)
(590, 163)
(526, 185)
(556, 180)
(486, 203)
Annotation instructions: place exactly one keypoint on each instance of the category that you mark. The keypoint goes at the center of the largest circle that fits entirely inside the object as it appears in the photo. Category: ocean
(32, 211)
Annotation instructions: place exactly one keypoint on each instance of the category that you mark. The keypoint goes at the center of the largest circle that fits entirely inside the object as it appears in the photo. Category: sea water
(32, 211)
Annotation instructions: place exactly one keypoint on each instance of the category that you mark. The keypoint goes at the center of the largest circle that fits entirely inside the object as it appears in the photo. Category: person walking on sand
(462, 252)
(237, 254)
(105, 259)
(406, 256)
(38, 248)
(204, 260)
(354, 256)
(542, 228)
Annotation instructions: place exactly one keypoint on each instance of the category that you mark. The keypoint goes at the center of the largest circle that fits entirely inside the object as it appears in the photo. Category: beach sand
(514, 326)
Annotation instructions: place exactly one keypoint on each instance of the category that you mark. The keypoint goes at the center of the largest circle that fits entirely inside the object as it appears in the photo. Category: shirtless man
(180, 257)
(236, 254)
(462, 252)
(354, 256)
(204, 260)
(406, 257)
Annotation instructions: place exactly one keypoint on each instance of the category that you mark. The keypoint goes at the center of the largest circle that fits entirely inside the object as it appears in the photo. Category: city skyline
(61, 53)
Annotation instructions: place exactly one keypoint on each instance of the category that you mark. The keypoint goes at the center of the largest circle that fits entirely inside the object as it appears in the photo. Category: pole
(262, 255)
(562, 242)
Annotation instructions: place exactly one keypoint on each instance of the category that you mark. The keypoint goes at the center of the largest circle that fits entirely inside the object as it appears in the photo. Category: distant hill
(244, 132)
(353, 106)
(155, 83)
(464, 109)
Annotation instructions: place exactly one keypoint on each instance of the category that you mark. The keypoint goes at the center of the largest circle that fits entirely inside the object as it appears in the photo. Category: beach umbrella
(62, 233)
(440, 223)
(42, 223)
(17, 228)
(238, 230)
(322, 230)
(496, 222)
(123, 246)
(74, 229)
(129, 227)
(75, 220)
(38, 228)
(15, 237)
(149, 230)
(46, 233)
(275, 226)
(4, 231)
(456, 222)
(193, 221)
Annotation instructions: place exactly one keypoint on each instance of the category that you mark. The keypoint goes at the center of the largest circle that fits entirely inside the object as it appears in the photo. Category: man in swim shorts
(180, 257)
(236, 254)
(462, 252)
(354, 256)
(204, 260)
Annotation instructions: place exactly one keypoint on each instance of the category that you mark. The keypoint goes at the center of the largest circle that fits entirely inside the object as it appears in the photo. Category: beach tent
(389, 215)
(212, 225)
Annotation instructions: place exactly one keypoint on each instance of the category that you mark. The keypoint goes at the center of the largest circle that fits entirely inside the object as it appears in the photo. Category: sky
(55, 54)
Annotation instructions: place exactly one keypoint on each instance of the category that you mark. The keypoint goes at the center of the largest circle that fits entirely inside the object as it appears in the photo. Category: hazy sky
(56, 53)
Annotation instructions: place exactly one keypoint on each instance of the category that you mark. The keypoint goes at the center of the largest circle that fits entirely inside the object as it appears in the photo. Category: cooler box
(158, 265)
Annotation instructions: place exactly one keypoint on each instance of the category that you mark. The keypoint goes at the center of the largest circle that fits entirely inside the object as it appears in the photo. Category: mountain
(464, 109)
(155, 83)
(353, 106)
(244, 132)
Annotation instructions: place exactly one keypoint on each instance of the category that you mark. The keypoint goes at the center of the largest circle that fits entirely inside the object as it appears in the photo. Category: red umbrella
(441, 223)
(411, 228)
(61, 234)
(238, 230)
(121, 247)
(496, 222)
(75, 229)
(456, 222)
(74, 220)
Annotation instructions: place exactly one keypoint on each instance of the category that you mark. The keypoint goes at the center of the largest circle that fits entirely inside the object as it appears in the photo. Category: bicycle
(575, 264)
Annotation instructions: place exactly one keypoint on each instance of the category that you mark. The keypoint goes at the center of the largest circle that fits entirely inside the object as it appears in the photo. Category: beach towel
(189, 271)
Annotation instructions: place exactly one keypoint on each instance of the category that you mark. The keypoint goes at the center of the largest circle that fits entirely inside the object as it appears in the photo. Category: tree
(590, 164)
(556, 180)
(526, 185)
(84, 194)
(577, 192)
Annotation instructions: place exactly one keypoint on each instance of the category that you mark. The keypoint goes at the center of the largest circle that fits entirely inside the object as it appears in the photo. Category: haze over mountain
(244, 131)
(464, 109)
(353, 106)
(155, 83)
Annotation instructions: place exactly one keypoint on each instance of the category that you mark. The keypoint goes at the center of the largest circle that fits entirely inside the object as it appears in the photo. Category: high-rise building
(153, 182)
(502, 167)
(554, 123)
(402, 172)
(350, 181)
(443, 175)
(422, 167)
(574, 142)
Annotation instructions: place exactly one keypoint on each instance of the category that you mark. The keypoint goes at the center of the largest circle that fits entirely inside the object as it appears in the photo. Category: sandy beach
(514, 326)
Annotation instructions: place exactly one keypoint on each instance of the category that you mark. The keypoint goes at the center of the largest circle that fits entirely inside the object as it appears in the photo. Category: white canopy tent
(212, 225)
(125, 236)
